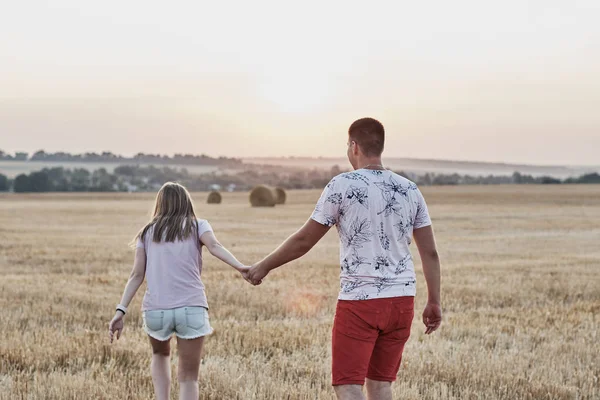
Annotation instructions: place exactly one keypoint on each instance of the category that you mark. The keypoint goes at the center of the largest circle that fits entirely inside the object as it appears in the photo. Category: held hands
(254, 274)
(116, 326)
(245, 271)
(432, 317)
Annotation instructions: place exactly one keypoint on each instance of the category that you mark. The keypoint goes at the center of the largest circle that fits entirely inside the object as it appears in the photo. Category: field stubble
(521, 295)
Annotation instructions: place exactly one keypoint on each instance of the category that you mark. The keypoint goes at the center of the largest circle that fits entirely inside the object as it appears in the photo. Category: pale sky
(511, 81)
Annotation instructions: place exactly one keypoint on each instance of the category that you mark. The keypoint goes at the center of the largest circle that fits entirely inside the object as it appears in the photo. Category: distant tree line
(66, 180)
(134, 178)
(19, 156)
(5, 183)
(128, 178)
(516, 178)
(142, 158)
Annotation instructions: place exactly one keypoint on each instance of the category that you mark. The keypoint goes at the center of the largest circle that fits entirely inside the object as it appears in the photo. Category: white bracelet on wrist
(122, 308)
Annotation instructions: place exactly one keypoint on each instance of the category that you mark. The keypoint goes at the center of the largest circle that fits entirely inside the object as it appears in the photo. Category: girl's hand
(244, 271)
(116, 326)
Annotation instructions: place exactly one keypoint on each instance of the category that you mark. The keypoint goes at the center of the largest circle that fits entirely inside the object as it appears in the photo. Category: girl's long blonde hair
(173, 218)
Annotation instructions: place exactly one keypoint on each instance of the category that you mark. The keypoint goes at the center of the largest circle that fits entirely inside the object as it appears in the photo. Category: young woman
(169, 255)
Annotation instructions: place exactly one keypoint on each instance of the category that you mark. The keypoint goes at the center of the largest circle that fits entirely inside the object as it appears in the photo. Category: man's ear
(355, 148)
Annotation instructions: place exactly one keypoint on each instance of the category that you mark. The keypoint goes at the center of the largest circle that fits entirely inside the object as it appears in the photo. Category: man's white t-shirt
(375, 212)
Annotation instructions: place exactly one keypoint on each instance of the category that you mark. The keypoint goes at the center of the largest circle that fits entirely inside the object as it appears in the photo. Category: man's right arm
(324, 217)
(432, 316)
(292, 248)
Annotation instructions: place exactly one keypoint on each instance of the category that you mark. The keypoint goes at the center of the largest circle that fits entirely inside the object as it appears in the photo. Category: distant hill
(12, 165)
(423, 166)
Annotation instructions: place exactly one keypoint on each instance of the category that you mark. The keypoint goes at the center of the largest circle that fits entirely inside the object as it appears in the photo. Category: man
(376, 213)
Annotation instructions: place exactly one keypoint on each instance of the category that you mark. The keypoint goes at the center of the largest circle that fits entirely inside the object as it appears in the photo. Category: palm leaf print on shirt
(392, 206)
(350, 286)
(342, 212)
(383, 283)
(392, 188)
(358, 233)
(335, 198)
(380, 262)
(351, 264)
(402, 265)
(358, 195)
(355, 176)
(403, 228)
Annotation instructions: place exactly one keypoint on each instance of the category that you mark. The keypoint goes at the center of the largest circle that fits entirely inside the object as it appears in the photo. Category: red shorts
(368, 339)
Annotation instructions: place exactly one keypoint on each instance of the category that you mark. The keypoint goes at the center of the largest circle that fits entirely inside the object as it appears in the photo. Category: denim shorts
(185, 322)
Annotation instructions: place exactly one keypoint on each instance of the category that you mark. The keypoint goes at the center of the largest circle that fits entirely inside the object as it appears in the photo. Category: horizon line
(288, 157)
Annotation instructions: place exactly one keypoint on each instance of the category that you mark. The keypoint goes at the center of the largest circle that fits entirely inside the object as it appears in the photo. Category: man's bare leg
(378, 390)
(349, 392)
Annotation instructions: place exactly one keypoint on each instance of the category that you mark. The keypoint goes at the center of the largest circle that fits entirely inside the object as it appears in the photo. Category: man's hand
(256, 274)
(432, 317)
(116, 326)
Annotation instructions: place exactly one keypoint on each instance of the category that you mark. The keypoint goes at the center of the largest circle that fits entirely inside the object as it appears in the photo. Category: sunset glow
(512, 81)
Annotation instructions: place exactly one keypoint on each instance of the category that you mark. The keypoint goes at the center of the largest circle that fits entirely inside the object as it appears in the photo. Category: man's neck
(370, 163)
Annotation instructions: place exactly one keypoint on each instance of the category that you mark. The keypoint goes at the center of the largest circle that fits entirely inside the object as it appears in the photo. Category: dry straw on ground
(214, 198)
(263, 196)
(521, 297)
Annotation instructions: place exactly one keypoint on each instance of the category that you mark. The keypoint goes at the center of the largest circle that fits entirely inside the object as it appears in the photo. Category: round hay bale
(262, 196)
(281, 195)
(214, 198)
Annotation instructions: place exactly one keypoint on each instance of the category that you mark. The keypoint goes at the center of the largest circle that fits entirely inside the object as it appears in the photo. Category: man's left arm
(292, 248)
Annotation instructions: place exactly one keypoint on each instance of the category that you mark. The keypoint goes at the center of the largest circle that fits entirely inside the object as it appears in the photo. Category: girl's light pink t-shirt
(173, 272)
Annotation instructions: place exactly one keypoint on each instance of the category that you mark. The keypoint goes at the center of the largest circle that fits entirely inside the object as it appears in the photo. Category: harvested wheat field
(520, 292)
